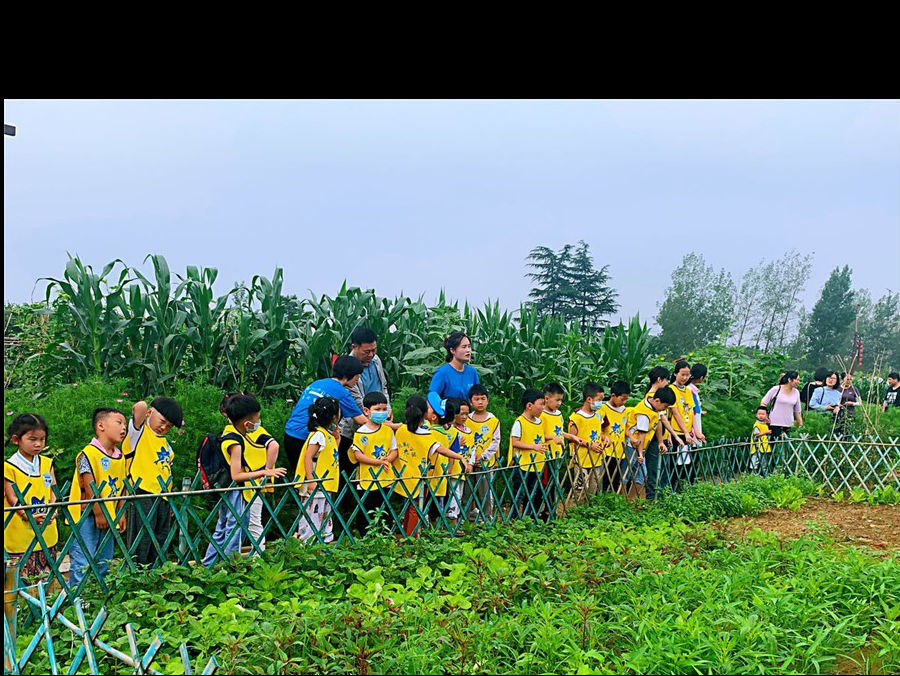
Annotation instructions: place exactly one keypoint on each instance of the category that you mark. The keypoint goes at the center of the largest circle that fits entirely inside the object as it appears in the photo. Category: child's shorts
(636, 473)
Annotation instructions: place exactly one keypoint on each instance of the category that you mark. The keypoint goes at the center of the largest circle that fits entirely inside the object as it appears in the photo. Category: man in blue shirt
(344, 374)
(456, 377)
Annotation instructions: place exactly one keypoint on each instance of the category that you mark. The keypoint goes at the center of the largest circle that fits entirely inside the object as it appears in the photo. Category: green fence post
(182, 536)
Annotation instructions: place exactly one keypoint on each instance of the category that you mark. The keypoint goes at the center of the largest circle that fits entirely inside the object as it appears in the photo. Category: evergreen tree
(831, 321)
(550, 286)
(880, 329)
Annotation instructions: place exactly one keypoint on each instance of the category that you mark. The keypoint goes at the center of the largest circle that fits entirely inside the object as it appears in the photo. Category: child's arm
(308, 454)
(139, 413)
(681, 425)
(676, 436)
(574, 438)
(238, 473)
(518, 443)
(12, 500)
(447, 453)
(84, 481)
(272, 449)
(364, 459)
(493, 447)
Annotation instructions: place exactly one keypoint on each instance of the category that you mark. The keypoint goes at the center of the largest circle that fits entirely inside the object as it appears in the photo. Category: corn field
(121, 323)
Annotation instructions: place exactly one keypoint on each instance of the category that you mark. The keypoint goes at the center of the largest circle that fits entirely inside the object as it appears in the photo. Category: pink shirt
(786, 406)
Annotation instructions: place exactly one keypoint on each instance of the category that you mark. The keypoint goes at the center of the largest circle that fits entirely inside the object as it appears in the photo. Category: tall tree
(831, 320)
(568, 286)
(698, 306)
(591, 297)
(880, 329)
(747, 302)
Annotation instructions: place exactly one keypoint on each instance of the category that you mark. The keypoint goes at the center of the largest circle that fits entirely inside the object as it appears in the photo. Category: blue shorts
(634, 473)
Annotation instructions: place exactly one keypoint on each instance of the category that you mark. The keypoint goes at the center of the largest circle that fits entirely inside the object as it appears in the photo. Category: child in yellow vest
(374, 449)
(642, 424)
(528, 451)
(464, 444)
(99, 465)
(486, 445)
(613, 415)
(319, 464)
(759, 445)
(555, 434)
(31, 474)
(149, 458)
(260, 452)
(243, 411)
(417, 447)
(586, 426)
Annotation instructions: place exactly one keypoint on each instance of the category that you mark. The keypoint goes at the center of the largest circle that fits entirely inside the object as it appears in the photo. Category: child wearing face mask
(586, 424)
(374, 449)
(243, 447)
(319, 465)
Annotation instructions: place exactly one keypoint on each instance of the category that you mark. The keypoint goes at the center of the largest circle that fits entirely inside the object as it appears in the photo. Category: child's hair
(762, 408)
(530, 396)
(590, 389)
(666, 395)
(698, 371)
(452, 342)
(451, 410)
(657, 373)
(373, 399)
(169, 409)
(101, 413)
(788, 375)
(24, 423)
(619, 387)
(225, 399)
(416, 408)
(241, 406)
(820, 373)
(477, 390)
(554, 388)
(361, 335)
(322, 412)
(680, 364)
(345, 367)
(894, 375)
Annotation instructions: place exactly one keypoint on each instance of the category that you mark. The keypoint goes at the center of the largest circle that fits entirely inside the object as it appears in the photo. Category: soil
(874, 526)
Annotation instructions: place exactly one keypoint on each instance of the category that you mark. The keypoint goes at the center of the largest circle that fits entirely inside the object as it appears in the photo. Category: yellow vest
(642, 408)
(554, 425)
(325, 463)
(253, 454)
(442, 465)
(589, 429)
(413, 449)
(465, 439)
(149, 459)
(109, 477)
(615, 431)
(760, 444)
(532, 433)
(36, 490)
(483, 435)
(376, 445)
(684, 402)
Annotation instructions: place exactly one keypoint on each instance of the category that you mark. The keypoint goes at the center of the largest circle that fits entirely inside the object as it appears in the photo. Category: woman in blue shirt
(827, 398)
(456, 377)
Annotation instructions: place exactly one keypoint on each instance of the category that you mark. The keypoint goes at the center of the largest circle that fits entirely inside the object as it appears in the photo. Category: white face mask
(254, 426)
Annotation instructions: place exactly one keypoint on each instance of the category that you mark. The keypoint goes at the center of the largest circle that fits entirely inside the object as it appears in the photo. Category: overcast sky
(419, 196)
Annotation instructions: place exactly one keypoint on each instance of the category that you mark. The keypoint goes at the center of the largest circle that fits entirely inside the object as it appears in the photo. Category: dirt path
(873, 526)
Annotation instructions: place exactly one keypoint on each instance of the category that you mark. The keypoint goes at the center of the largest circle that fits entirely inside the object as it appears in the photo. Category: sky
(419, 196)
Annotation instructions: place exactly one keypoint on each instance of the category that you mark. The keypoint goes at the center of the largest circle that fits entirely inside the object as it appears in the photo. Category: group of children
(444, 454)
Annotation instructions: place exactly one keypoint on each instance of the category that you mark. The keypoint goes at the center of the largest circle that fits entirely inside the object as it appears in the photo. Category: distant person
(374, 450)
(528, 450)
(642, 424)
(486, 440)
(614, 414)
(892, 396)
(345, 374)
(319, 460)
(759, 444)
(827, 397)
(586, 431)
(785, 404)
(850, 399)
(456, 377)
(810, 387)
(698, 376)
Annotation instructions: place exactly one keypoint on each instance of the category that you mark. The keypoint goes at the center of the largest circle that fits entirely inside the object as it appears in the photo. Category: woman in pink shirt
(786, 404)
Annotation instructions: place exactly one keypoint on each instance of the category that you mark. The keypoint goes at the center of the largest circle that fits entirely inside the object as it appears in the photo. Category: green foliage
(569, 287)
(697, 307)
(613, 588)
(831, 321)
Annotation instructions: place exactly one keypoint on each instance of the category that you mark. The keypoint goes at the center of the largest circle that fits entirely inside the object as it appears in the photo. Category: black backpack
(215, 472)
